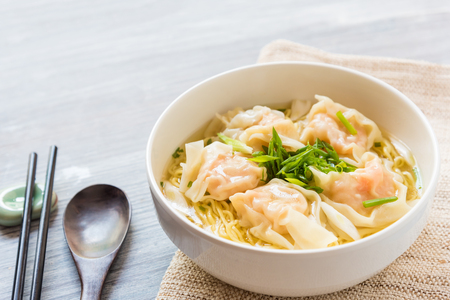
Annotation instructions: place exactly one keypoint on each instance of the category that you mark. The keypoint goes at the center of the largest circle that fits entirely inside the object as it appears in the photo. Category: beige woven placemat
(422, 272)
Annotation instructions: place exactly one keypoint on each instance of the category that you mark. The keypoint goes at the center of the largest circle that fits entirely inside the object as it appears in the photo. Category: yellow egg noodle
(218, 216)
(221, 218)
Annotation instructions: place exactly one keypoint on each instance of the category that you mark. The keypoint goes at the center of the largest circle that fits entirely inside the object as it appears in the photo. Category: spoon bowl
(96, 222)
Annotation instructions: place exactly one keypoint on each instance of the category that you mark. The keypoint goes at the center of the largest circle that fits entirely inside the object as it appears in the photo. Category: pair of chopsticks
(19, 276)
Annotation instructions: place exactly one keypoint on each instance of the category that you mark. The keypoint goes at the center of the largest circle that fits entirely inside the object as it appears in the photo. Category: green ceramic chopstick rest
(12, 202)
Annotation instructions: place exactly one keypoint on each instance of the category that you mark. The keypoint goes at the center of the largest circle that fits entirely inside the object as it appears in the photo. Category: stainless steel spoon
(96, 222)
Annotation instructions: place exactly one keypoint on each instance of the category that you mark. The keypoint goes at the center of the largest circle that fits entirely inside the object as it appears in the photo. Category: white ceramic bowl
(298, 272)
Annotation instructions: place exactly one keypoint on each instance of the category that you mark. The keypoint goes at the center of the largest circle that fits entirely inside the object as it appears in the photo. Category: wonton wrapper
(367, 189)
(215, 169)
(299, 108)
(323, 123)
(220, 122)
(343, 226)
(281, 210)
(254, 128)
(178, 201)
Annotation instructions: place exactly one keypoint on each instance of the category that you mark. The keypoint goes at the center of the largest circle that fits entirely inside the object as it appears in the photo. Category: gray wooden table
(92, 77)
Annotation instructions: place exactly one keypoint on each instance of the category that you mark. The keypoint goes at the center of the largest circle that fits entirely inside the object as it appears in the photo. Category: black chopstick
(39, 260)
(21, 262)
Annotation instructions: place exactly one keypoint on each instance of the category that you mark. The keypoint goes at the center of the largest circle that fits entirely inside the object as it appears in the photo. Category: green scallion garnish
(346, 123)
(177, 152)
(377, 144)
(293, 167)
(379, 201)
(263, 158)
(296, 181)
(237, 145)
(208, 142)
(202, 208)
(162, 184)
(418, 178)
(189, 184)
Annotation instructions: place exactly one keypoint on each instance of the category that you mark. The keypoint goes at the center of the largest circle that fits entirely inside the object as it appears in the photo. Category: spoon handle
(92, 275)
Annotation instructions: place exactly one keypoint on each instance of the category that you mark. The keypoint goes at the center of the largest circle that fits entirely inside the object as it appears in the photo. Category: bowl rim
(384, 233)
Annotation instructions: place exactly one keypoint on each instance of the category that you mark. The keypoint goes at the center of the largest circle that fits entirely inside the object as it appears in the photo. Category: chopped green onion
(263, 158)
(162, 184)
(296, 181)
(202, 208)
(341, 167)
(265, 149)
(258, 153)
(177, 152)
(379, 201)
(282, 109)
(377, 144)
(208, 142)
(304, 185)
(317, 189)
(294, 167)
(418, 178)
(237, 145)
(276, 139)
(308, 174)
(416, 173)
(346, 123)
(189, 184)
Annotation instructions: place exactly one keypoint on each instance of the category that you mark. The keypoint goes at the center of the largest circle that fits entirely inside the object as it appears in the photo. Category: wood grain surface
(92, 77)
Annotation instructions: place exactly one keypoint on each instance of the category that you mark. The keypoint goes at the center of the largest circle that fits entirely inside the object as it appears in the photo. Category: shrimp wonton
(309, 176)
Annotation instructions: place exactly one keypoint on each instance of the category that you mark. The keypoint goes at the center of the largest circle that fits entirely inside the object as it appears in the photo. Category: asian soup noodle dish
(305, 177)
